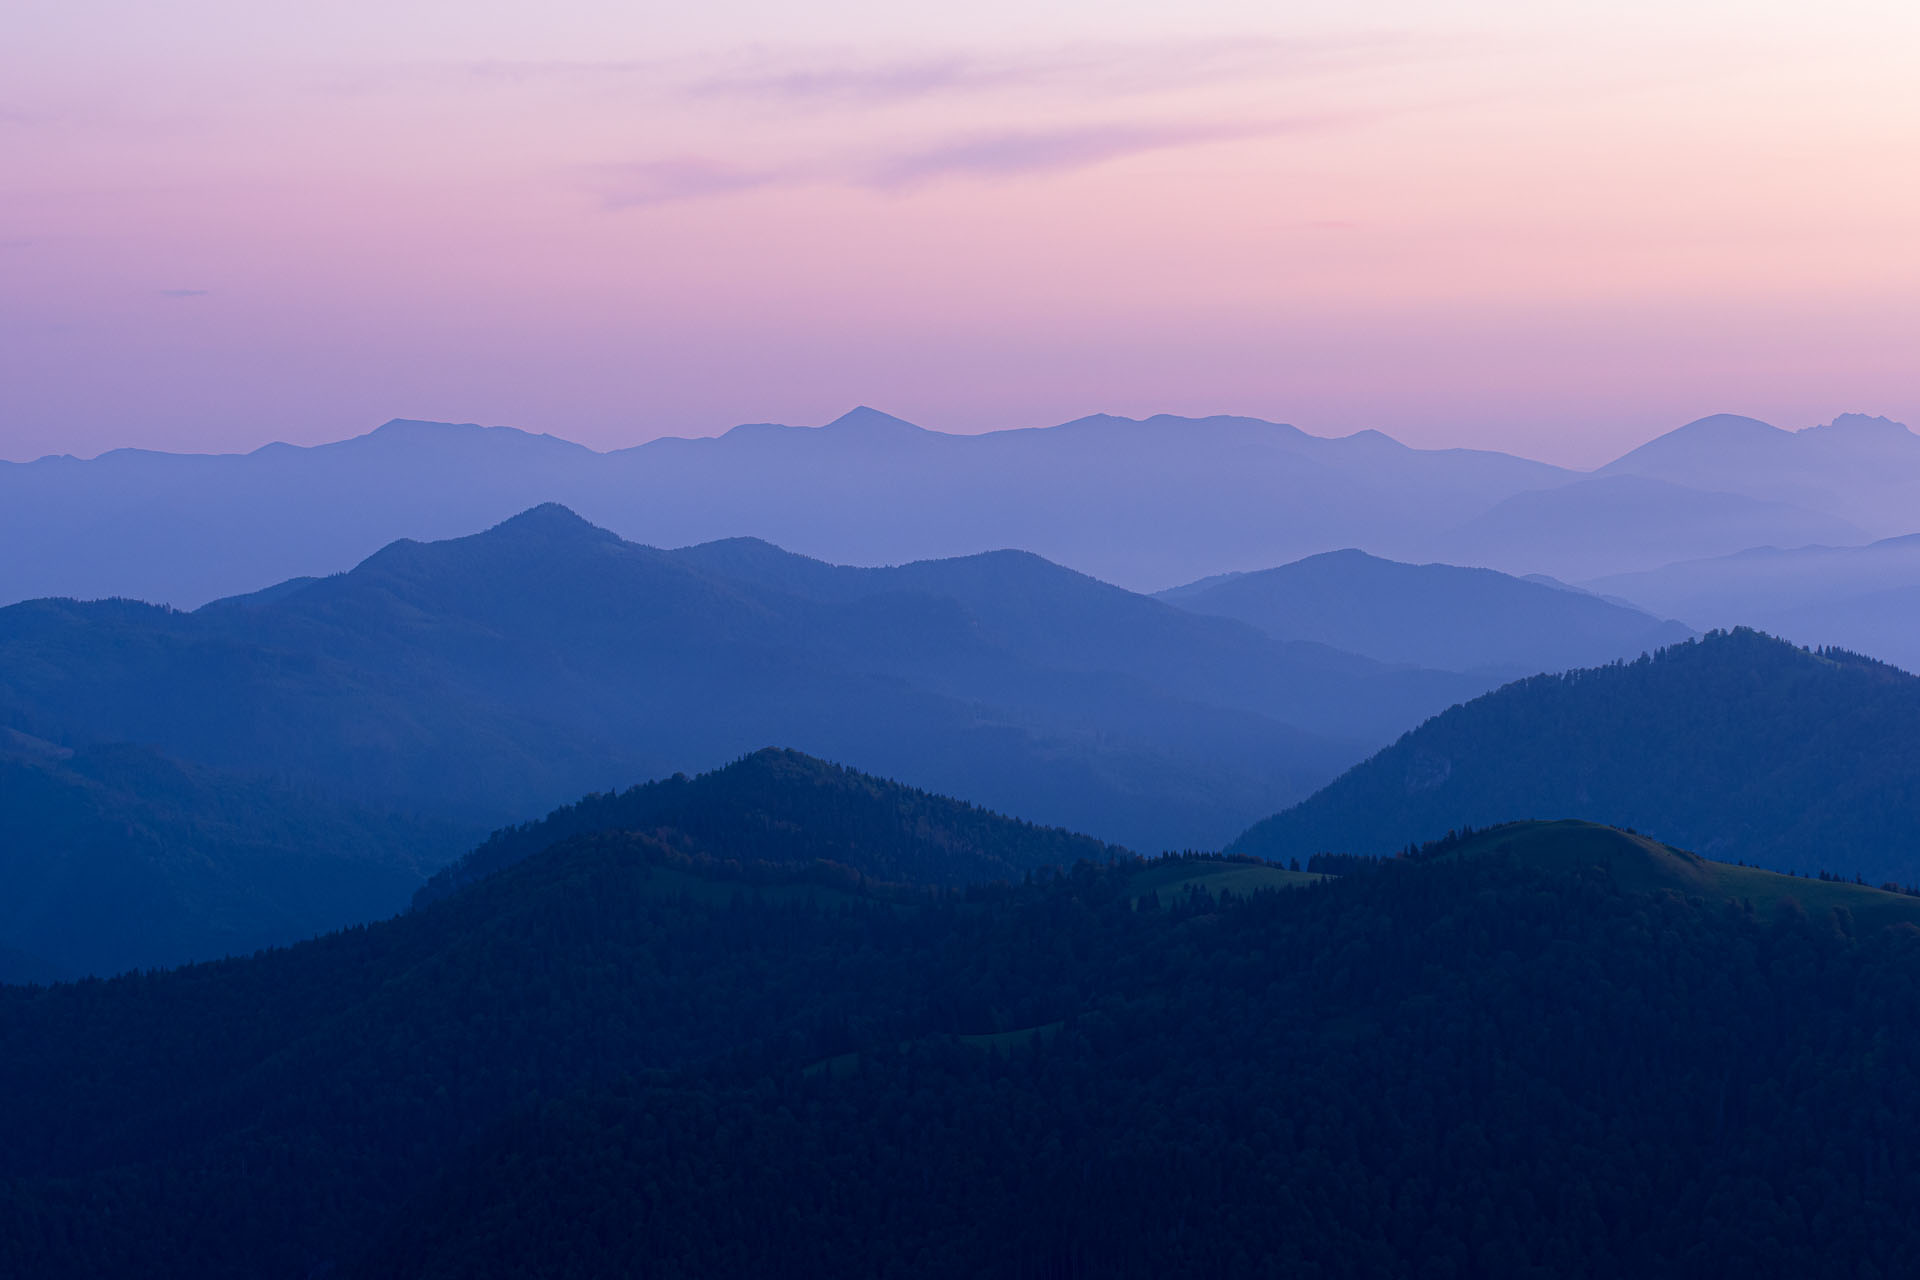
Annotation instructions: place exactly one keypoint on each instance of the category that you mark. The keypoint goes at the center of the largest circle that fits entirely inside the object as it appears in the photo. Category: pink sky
(1556, 230)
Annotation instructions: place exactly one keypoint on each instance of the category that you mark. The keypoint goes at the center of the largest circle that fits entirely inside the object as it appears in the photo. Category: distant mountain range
(1859, 469)
(1431, 615)
(1861, 598)
(1145, 504)
(484, 679)
(1612, 523)
(487, 678)
(1738, 745)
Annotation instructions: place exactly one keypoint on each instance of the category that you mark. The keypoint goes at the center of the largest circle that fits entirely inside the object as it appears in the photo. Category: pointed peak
(867, 420)
(1373, 437)
(550, 521)
(414, 428)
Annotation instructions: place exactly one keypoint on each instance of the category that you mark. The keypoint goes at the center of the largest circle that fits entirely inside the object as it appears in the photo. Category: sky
(1555, 229)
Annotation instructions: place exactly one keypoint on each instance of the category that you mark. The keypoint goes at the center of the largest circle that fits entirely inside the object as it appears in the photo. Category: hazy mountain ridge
(493, 676)
(1861, 598)
(1223, 493)
(1621, 523)
(1431, 615)
(1864, 470)
(1737, 745)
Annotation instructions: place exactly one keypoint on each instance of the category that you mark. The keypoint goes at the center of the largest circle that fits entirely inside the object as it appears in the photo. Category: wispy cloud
(862, 83)
(181, 293)
(1019, 154)
(834, 78)
(825, 78)
(987, 157)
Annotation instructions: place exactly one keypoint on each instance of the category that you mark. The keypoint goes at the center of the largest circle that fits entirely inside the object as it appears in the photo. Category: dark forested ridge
(493, 676)
(1536, 1050)
(115, 857)
(782, 806)
(1738, 745)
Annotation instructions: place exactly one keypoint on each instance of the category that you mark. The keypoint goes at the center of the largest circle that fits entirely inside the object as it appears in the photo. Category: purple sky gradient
(1556, 233)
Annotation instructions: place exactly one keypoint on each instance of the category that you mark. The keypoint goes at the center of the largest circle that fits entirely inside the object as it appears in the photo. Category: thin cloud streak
(992, 157)
(1022, 154)
(1094, 70)
(654, 182)
(859, 84)
(182, 293)
(834, 78)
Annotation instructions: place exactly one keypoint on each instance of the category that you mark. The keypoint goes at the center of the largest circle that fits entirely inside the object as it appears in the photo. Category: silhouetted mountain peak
(397, 428)
(1734, 426)
(864, 421)
(1373, 439)
(1861, 426)
(778, 804)
(1709, 435)
(537, 541)
(415, 433)
(550, 522)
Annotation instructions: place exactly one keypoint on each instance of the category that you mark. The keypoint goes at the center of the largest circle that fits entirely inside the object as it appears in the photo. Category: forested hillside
(1539, 1049)
(1737, 745)
(115, 857)
(783, 806)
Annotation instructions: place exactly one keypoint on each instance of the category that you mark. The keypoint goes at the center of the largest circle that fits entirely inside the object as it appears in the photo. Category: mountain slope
(777, 803)
(1860, 469)
(115, 857)
(495, 675)
(1430, 615)
(616, 1054)
(1862, 598)
(1019, 602)
(1738, 745)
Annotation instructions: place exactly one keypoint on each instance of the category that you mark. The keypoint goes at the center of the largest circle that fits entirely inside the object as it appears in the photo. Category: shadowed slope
(1641, 864)
(618, 1054)
(789, 807)
(116, 857)
(1737, 745)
